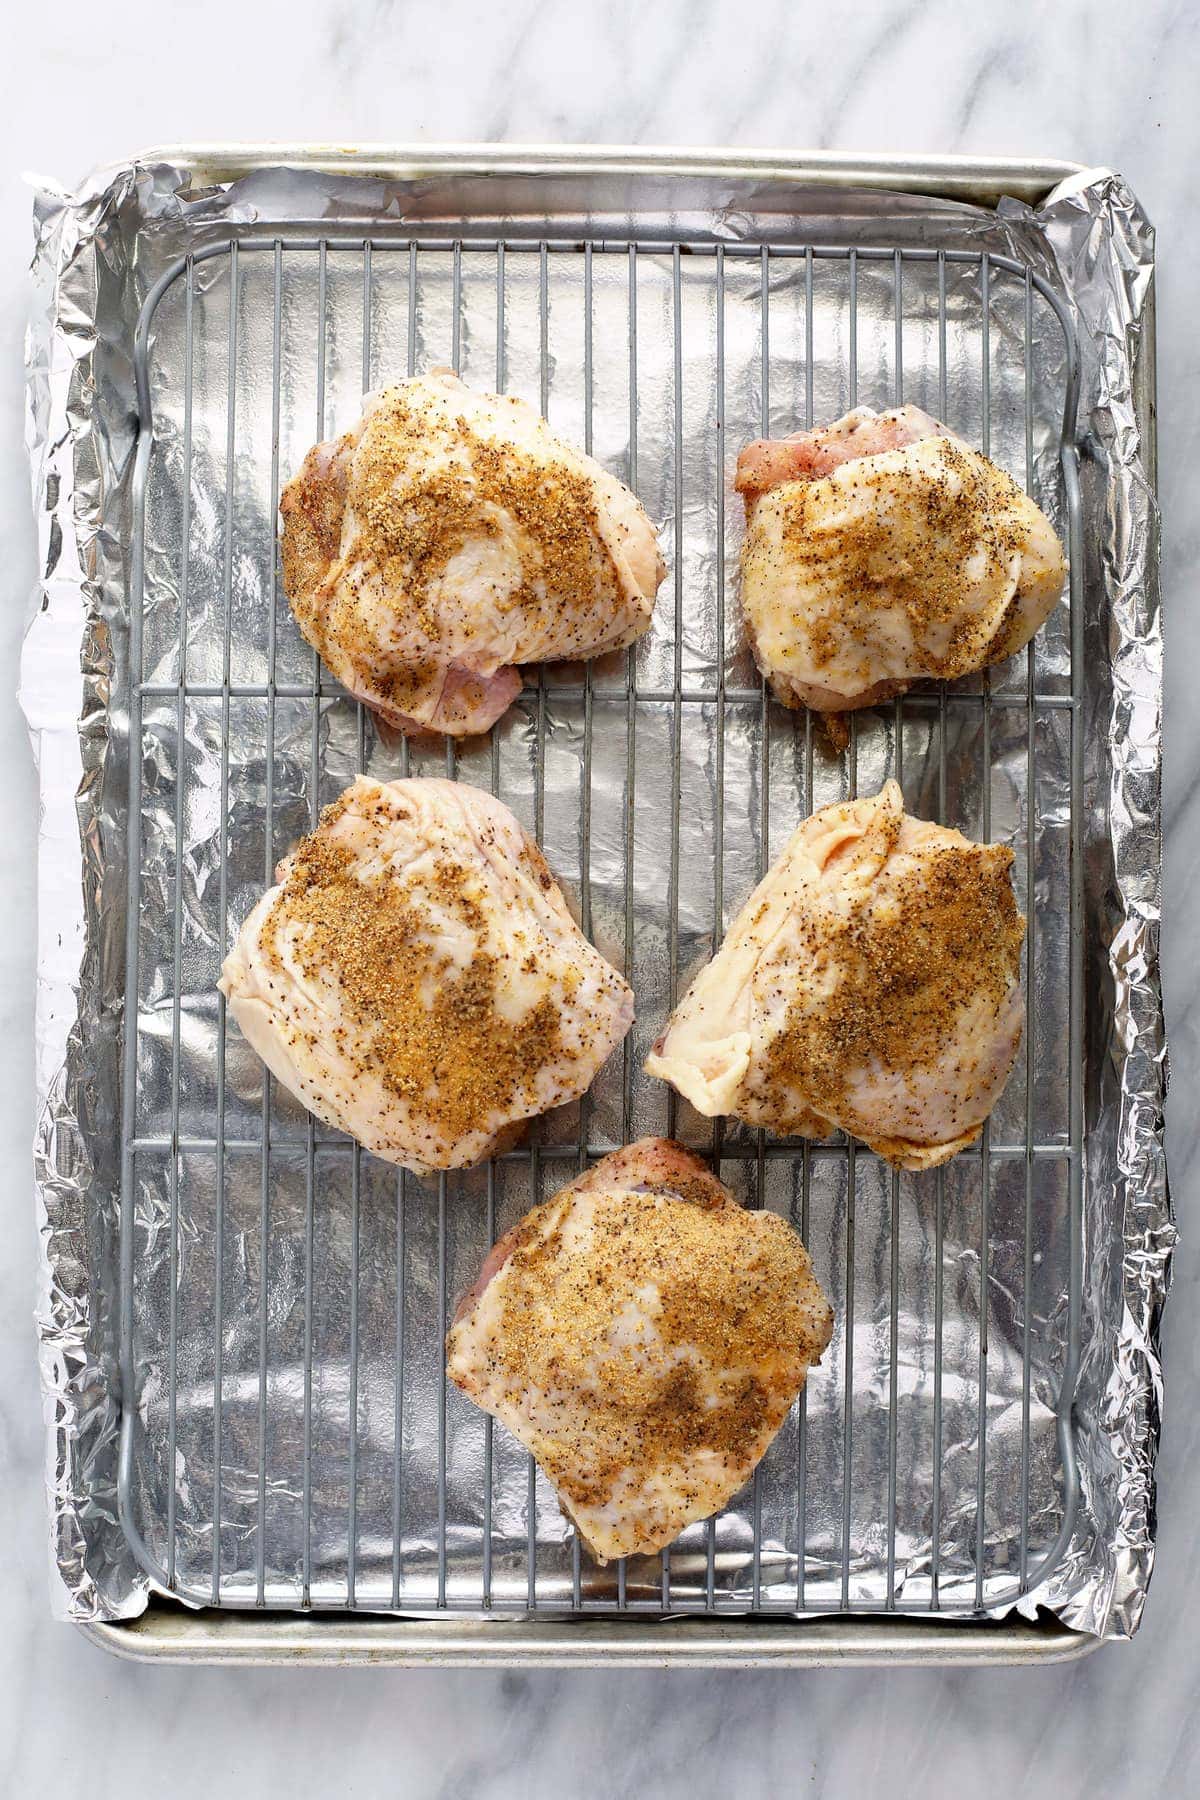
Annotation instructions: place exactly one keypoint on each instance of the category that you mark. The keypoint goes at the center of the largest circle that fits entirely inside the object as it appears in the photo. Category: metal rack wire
(266, 342)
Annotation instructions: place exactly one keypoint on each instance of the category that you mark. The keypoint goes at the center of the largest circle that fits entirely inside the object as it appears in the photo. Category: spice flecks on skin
(431, 1030)
(870, 984)
(896, 971)
(960, 526)
(882, 549)
(645, 1338)
(450, 537)
(416, 978)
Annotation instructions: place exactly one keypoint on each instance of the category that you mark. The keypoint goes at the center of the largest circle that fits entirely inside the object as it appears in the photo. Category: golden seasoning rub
(417, 979)
(418, 526)
(431, 1030)
(961, 513)
(881, 550)
(871, 984)
(644, 1345)
(450, 537)
(896, 970)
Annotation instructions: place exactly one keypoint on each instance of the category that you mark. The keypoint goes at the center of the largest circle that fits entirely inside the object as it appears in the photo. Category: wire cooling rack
(288, 1437)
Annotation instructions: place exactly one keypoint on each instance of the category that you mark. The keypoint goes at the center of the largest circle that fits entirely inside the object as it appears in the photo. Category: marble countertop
(89, 84)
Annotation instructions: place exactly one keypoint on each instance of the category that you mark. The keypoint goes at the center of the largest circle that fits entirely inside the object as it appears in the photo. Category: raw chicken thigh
(416, 979)
(870, 983)
(644, 1337)
(451, 536)
(882, 549)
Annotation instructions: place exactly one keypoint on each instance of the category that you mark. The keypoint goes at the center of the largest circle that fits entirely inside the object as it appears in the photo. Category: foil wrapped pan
(241, 1316)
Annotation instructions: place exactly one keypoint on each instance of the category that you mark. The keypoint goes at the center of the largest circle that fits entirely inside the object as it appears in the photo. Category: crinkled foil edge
(66, 680)
(1103, 246)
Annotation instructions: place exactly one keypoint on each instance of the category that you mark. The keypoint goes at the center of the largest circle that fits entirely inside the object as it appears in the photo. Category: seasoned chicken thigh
(882, 549)
(450, 536)
(870, 983)
(644, 1337)
(416, 979)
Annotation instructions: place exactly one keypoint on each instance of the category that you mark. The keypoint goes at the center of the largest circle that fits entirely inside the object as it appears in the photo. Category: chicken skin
(451, 536)
(644, 1337)
(882, 549)
(871, 983)
(416, 980)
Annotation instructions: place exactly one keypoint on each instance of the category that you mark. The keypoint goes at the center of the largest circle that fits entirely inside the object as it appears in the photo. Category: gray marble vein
(1099, 82)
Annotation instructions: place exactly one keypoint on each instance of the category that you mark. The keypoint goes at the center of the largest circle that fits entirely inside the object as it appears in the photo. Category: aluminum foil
(277, 1331)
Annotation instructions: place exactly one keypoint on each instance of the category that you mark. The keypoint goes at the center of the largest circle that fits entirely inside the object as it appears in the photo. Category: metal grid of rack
(255, 1471)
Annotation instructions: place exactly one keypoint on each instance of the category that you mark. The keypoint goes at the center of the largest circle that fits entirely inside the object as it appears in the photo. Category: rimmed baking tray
(290, 1457)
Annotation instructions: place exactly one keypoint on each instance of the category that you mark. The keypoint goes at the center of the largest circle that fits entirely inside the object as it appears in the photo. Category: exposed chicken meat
(882, 549)
(870, 983)
(644, 1337)
(416, 979)
(809, 455)
(450, 536)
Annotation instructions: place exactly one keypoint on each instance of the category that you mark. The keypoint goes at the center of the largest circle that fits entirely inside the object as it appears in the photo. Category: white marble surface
(89, 83)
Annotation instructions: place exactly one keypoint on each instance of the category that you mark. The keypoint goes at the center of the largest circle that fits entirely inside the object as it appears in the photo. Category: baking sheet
(824, 1486)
